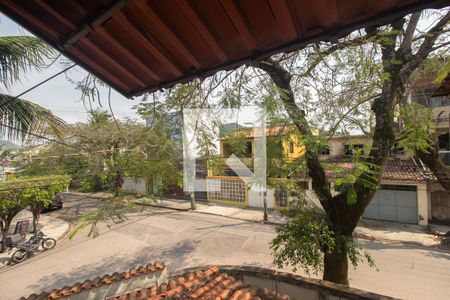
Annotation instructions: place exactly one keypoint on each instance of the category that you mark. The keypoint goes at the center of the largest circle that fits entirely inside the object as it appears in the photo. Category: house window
(397, 150)
(291, 147)
(439, 101)
(325, 150)
(353, 149)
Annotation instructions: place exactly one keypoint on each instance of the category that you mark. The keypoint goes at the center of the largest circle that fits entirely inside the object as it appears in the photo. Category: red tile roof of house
(397, 169)
(207, 284)
(96, 282)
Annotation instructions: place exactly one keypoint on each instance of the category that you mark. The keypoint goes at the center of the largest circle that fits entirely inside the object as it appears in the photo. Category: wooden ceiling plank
(147, 44)
(284, 18)
(236, 18)
(174, 39)
(41, 25)
(48, 8)
(101, 53)
(98, 20)
(127, 53)
(195, 20)
(329, 7)
(91, 62)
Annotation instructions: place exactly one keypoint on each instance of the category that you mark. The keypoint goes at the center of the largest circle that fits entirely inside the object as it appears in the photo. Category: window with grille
(324, 150)
(353, 149)
(398, 187)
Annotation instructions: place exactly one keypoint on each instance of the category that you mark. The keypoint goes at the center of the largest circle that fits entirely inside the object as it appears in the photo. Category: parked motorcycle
(28, 248)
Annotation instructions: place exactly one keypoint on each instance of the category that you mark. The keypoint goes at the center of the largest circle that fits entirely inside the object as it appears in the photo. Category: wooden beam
(328, 11)
(98, 20)
(239, 23)
(127, 53)
(193, 17)
(88, 60)
(112, 62)
(173, 38)
(49, 9)
(132, 30)
(284, 18)
(35, 21)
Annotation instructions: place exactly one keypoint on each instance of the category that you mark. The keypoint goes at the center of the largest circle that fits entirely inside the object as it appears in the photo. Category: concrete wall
(440, 206)
(297, 287)
(134, 185)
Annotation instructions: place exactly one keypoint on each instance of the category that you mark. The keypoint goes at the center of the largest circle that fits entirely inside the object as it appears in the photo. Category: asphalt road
(184, 239)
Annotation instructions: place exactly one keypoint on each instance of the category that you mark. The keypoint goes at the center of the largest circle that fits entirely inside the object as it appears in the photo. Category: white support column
(422, 204)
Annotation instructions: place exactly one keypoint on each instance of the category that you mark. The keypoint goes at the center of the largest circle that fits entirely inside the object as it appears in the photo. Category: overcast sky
(59, 95)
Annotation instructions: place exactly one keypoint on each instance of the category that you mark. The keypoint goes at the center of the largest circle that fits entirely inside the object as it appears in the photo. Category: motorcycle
(28, 248)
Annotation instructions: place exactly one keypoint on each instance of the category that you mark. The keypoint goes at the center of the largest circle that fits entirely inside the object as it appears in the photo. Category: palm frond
(25, 116)
(19, 54)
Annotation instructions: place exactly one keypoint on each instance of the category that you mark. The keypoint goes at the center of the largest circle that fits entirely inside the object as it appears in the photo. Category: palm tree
(19, 54)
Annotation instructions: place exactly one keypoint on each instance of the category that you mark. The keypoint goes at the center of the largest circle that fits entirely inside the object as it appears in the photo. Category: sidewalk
(388, 232)
(50, 226)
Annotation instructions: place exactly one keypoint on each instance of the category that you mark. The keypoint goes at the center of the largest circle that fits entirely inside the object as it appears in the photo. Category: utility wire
(41, 136)
(37, 85)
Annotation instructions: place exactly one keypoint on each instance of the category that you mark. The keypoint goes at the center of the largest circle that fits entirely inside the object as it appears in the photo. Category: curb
(390, 241)
(162, 206)
(208, 213)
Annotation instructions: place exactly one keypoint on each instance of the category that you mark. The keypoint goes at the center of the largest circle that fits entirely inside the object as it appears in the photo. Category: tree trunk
(4, 228)
(439, 169)
(193, 205)
(336, 268)
(266, 218)
(36, 216)
(118, 184)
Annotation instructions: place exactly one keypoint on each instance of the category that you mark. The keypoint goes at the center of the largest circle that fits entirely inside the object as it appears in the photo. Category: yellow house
(289, 143)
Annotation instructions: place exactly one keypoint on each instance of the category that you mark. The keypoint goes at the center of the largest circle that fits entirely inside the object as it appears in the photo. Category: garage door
(394, 203)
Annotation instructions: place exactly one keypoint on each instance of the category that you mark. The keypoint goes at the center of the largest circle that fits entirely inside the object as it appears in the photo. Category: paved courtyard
(185, 239)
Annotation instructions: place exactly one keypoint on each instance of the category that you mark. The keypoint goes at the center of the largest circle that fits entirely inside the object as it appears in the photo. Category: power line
(40, 136)
(37, 85)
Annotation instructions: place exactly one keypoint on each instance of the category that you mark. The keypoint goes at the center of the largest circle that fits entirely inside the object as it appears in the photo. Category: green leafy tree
(41, 194)
(19, 54)
(17, 194)
(354, 84)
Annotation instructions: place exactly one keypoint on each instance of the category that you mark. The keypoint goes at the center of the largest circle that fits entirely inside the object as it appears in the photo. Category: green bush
(36, 192)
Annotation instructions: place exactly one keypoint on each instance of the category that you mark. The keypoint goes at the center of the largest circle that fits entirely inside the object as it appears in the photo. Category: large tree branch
(409, 33)
(282, 79)
(320, 54)
(425, 48)
(439, 169)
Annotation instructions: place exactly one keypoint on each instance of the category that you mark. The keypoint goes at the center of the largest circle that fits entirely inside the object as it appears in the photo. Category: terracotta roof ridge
(96, 282)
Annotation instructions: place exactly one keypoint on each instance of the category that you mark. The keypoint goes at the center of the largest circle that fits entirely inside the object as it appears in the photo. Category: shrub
(36, 192)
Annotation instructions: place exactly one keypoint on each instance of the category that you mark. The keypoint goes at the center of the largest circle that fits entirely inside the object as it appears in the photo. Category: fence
(281, 191)
(227, 189)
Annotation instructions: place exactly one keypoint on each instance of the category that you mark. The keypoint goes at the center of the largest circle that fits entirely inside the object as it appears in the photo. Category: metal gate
(394, 203)
(227, 189)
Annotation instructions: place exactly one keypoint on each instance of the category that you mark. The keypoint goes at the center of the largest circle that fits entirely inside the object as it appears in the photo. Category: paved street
(185, 239)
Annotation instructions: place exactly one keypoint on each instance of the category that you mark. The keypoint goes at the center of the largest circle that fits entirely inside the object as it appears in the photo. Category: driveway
(186, 239)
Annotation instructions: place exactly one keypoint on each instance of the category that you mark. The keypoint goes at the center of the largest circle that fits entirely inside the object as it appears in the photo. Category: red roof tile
(207, 284)
(396, 170)
(96, 282)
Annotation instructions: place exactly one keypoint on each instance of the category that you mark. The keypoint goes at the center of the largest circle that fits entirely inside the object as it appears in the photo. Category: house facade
(403, 195)
(437, 98)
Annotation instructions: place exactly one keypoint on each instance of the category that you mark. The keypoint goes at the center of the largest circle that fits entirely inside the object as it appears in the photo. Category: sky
(59, 95)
